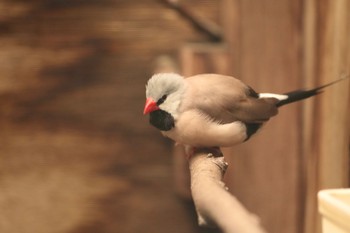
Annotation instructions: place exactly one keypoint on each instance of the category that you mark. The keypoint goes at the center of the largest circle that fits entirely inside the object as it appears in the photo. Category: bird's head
(164, 92)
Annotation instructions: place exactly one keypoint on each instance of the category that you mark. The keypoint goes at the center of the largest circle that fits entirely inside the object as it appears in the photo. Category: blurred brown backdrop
(77, 155)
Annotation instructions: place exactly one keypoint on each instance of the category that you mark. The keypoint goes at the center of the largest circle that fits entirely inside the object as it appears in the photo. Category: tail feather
(297, 95)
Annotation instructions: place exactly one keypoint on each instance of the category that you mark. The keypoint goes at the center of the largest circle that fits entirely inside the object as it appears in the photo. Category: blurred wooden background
(76, 154)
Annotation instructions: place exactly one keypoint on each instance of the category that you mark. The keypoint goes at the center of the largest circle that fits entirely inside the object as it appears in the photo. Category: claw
(210, 151)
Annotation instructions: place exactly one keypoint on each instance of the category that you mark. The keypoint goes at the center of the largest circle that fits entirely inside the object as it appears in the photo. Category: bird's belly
(182, 139)
(209, 135)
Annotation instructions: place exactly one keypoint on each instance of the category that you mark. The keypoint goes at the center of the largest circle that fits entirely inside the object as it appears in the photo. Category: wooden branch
(214, 204)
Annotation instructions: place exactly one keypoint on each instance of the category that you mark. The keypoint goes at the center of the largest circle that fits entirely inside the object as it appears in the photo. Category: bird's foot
(211, 151)
(189, 151)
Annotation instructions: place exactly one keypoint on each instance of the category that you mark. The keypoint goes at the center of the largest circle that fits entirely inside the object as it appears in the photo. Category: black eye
(161, 100)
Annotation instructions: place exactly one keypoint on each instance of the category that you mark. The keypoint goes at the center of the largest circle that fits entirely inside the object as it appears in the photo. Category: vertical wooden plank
(265, 171)
(334, 114)
(231, 23)
(199, 58)
(310, 159)
(328, 164)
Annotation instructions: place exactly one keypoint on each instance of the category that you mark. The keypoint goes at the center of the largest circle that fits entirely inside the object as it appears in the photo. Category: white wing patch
(271, 95)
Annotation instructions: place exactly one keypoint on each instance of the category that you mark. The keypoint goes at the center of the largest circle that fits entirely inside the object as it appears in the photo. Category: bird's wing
(226, 99)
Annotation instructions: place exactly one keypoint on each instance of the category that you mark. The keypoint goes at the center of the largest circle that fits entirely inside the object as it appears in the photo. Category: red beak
(150, 106)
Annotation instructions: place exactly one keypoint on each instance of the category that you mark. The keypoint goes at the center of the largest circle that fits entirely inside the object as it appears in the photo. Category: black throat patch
(252, 128)
(162, 120)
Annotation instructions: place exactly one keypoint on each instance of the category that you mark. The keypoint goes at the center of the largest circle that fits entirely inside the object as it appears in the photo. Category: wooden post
(326, 135)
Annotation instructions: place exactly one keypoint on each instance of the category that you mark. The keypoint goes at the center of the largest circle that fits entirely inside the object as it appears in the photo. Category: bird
(212, 110)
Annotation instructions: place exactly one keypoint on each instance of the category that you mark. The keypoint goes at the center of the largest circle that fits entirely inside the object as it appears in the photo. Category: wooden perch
(214, 204)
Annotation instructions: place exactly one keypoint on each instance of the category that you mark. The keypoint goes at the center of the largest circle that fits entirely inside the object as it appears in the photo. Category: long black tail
(297, 95)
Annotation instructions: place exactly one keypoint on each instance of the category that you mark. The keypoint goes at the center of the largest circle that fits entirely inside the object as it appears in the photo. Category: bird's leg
(215, 151)
(189, 151)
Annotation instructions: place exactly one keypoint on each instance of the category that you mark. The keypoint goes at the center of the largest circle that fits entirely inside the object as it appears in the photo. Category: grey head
(167, 90)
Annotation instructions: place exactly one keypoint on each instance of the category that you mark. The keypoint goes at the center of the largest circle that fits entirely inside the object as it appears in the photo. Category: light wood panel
(326, 59)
